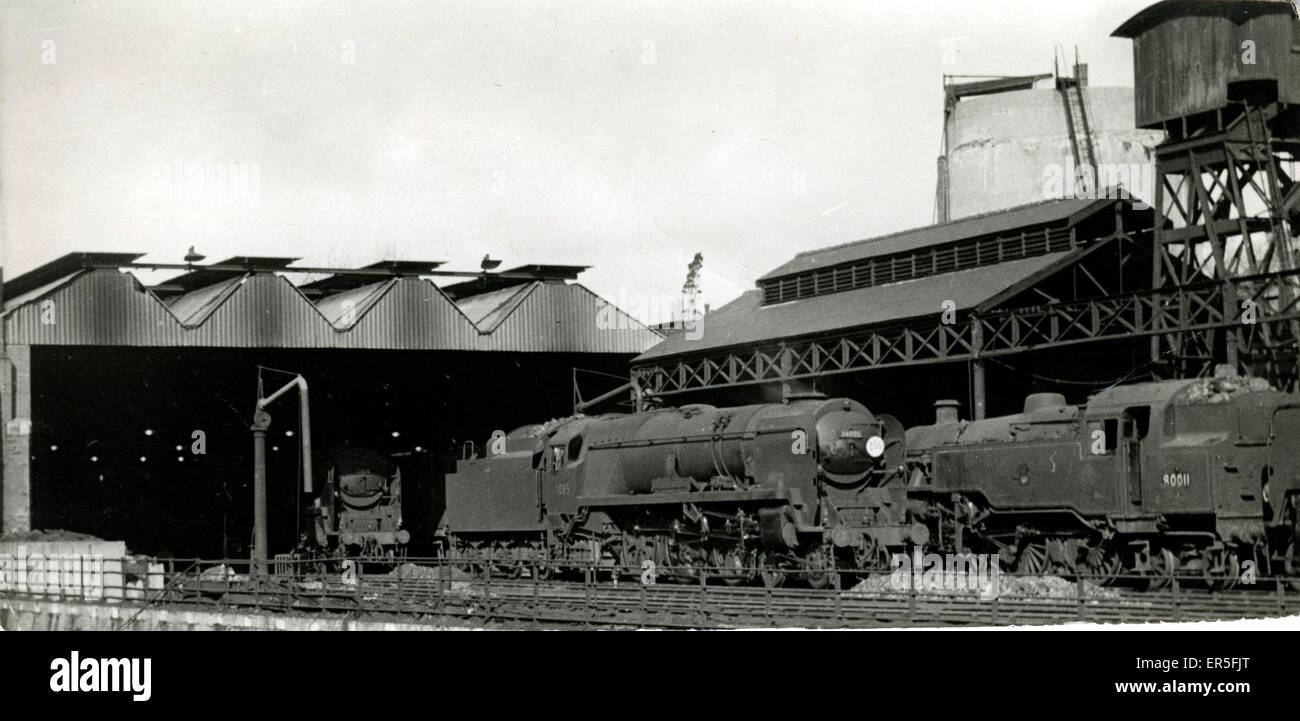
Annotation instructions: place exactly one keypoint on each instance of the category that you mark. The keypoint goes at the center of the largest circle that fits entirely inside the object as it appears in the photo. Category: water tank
(1189, 55)
(1001, 146)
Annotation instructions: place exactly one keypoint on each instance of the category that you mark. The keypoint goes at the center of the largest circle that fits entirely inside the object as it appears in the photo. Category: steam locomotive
(765, 490)
(1151, 479)
(359, 510)
(1162, 478)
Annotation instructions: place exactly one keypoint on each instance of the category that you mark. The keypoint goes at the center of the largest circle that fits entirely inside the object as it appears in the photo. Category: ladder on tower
(1077, 122)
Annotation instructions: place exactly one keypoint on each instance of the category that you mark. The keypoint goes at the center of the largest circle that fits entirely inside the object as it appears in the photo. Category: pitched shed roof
(94, 301)
(746, 321)
(1002, 221)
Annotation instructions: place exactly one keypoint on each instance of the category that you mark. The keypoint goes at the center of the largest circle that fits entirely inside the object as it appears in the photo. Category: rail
(443, 592)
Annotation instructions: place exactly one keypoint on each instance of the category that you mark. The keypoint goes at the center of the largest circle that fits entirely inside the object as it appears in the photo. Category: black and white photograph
(435, 315)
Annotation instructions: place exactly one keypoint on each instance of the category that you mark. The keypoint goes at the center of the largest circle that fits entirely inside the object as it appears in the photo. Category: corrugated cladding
(558, 317)
(415, 315)
(192, 308)
(487, 310)
(110, 307)
(344, 309)
(95, 307)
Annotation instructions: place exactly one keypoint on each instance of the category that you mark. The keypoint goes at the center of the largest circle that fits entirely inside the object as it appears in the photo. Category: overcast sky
(625, 136)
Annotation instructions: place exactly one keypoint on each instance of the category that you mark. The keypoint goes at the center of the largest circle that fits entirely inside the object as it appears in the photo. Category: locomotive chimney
(945, 411)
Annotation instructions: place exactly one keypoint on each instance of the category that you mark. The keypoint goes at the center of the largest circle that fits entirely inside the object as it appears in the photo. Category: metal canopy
(61, 267)
(346, 281)
(202, 277)
(488, 283)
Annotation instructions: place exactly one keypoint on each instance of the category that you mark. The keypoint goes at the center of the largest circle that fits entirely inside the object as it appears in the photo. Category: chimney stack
(945, 411)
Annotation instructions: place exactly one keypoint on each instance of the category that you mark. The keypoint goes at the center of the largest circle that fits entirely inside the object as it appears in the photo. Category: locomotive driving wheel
(1032, 560)
(542, 570)
(513, 569)
(871, 556)
(770, 571)
(1101, 563)
(818, 568)
(730, 565)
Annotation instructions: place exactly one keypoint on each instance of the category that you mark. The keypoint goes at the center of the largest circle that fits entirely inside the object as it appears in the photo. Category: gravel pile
(409, 571)
(221, 573)
(1008, 587)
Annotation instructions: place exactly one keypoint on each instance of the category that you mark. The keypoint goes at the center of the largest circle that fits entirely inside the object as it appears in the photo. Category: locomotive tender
(1150, 478)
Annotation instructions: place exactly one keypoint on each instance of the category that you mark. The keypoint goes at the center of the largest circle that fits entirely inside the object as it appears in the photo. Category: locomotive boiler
(770, 490)
(1182, 476)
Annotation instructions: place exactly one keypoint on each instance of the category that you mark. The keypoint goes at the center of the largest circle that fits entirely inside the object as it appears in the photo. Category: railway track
(488, 601)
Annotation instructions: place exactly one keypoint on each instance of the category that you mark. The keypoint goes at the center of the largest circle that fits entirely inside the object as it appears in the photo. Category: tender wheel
(1220, 579)
(1161, 574)
(1291, 566)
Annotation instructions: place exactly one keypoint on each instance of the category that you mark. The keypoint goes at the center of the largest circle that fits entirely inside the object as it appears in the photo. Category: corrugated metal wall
(561, 318)
(110, 307)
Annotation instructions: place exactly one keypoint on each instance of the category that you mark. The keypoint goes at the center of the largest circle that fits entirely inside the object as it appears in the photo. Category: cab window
(1137, 422)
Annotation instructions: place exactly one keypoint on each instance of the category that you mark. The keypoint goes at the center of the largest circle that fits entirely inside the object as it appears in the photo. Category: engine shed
(1015, 301)
(127, 404)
